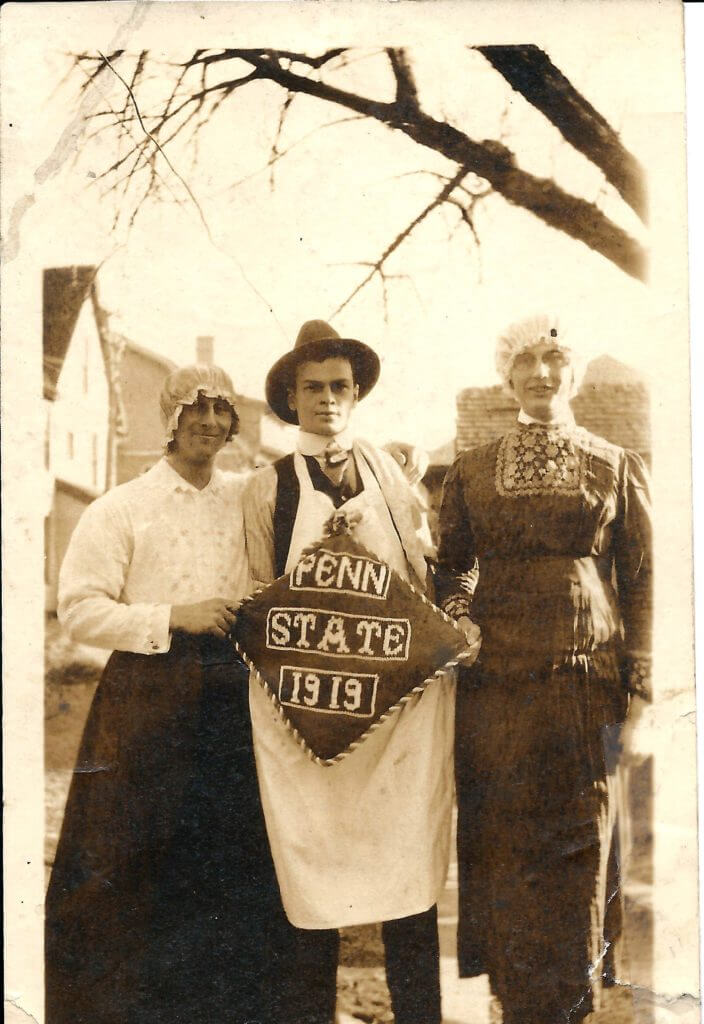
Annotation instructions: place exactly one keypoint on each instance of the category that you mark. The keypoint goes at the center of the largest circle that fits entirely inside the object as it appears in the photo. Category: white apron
(366, 839)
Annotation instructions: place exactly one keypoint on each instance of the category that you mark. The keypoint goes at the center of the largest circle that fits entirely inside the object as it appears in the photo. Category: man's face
(202, 429)
(324, 396)
(542, 379)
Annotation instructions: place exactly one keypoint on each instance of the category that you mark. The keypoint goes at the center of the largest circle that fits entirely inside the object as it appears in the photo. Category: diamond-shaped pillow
(341, 643)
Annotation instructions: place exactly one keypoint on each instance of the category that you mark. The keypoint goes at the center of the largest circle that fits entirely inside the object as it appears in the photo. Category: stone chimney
(204, 349)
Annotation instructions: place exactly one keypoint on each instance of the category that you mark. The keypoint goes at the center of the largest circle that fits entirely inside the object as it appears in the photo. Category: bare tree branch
(276, 154)
(529, 71)
(406, 89)
(151, 137)
(155, 181)
(284, 152)
(197, 98)
(177, 85)
(466, 215)
(136, 74)
(489, 161)
(101, 64)
(377, 268)
(476, 188)
(291, 55)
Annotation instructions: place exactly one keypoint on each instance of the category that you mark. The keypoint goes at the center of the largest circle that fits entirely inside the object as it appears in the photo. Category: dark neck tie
(334, 462)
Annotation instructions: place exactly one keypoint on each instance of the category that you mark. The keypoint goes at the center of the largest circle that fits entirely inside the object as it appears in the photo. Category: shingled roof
(65, 289)
(613, 403)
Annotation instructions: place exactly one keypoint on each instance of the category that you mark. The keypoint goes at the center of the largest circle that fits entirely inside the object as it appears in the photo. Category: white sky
(339, 198)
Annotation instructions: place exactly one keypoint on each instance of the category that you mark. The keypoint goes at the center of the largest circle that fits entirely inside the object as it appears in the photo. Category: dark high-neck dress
(545, 541)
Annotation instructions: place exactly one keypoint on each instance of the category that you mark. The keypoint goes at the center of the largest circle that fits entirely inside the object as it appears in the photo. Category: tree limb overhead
(489, 161)
(529, 71)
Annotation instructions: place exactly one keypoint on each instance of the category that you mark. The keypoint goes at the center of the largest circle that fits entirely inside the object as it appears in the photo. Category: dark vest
(288, 493)
(285, 510)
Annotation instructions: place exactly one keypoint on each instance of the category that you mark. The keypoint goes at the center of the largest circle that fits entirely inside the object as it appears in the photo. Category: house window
(95, 460)
(85, 369)
(69, 444)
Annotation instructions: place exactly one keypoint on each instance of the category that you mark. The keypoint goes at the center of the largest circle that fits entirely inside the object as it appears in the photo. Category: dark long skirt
(163, 899)
(536, 757)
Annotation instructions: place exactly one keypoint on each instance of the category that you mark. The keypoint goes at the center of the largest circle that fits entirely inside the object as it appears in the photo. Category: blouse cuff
(158, 637)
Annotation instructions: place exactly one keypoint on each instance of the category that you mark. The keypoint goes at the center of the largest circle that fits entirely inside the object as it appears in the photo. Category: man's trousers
(308, 972)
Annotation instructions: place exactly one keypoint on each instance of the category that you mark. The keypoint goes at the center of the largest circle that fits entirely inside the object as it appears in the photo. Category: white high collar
(170, 479)
(315, 444)
(565, 419)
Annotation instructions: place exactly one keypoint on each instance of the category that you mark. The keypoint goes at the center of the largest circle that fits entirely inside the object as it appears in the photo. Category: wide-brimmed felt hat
(317, 341)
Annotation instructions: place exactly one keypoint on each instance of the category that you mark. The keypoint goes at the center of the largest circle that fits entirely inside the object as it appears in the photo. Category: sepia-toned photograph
(347, 514)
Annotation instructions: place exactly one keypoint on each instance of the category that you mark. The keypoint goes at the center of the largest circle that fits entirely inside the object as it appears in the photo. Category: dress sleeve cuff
(457, 605)
(158, 637)
(639, 675)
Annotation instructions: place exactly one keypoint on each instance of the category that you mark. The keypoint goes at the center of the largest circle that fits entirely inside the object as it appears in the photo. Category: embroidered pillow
(341, 643)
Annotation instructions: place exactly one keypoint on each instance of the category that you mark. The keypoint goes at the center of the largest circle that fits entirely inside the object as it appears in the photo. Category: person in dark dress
(545, 541)
(163, 898)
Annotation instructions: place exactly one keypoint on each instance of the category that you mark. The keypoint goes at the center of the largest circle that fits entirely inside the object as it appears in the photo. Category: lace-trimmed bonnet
(534, 330)
(183, 386)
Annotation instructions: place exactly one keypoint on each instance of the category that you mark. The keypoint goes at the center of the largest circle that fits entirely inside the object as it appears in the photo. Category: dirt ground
(72, 673)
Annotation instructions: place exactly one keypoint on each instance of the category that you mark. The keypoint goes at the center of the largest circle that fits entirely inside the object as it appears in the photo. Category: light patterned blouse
(146, 545)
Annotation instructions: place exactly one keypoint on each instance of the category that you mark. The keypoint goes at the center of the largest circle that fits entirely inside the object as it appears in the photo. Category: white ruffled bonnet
(534, 330)
(183, 386)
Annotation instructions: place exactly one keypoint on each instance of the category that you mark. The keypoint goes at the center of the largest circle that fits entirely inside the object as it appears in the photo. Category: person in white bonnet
(149, 903)
(545, 539)
(539, 347)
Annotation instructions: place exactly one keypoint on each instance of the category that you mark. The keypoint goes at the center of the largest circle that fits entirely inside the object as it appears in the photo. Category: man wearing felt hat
(366, 840)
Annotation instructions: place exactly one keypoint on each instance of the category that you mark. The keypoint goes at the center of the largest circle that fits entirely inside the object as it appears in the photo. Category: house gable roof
(149, 354)
(64, 290)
